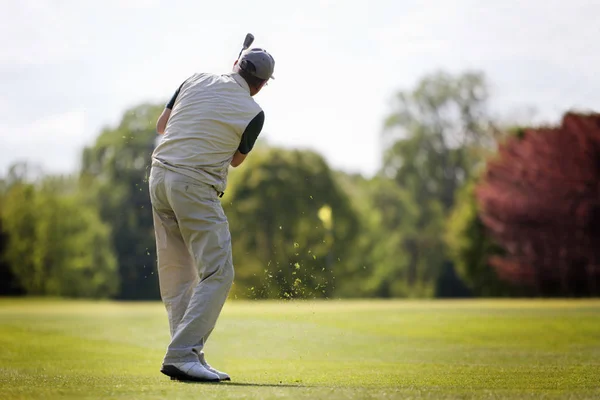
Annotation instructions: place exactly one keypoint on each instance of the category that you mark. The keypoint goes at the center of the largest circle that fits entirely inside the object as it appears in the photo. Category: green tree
(114, 175)
(19, 217)
(57, 245)
(8, 281)
(435, 133)
(292, 226)
(379, 262)
(434, 140)
(470, 246)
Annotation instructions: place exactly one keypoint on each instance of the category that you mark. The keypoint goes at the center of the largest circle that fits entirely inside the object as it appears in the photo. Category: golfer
(210, 123)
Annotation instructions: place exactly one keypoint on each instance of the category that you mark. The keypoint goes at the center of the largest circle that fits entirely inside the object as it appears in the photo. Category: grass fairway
(312, 350)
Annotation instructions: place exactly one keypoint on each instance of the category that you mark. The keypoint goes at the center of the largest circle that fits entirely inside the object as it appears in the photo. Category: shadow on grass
(272, 385)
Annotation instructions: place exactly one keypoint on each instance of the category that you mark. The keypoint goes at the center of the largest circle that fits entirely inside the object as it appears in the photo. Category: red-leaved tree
(540, 200)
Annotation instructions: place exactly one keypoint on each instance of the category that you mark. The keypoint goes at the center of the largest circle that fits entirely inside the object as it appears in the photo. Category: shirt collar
(241, 81)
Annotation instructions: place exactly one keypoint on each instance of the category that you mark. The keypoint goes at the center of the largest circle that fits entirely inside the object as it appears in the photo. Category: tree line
(459, 208)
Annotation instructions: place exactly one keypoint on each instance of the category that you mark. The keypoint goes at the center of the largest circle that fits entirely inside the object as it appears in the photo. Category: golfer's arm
(248, 139)
(238, 158)
(161, 124)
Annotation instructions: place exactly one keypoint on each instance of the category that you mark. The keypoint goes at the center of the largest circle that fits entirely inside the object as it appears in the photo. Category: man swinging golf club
(210, 123)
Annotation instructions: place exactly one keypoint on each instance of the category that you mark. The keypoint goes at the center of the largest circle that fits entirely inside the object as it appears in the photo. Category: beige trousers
(195, 267)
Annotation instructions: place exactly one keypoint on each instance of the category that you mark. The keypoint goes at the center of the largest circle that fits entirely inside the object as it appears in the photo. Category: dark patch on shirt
(251, 133)
(171, 102)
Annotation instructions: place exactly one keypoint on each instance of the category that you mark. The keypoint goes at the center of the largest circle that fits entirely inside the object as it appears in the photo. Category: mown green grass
(314, 350)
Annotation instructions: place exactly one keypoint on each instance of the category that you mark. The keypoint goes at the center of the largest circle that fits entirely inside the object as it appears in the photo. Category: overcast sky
(70, 67)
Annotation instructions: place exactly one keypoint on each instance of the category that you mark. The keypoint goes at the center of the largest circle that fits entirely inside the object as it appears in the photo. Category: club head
(248, 40)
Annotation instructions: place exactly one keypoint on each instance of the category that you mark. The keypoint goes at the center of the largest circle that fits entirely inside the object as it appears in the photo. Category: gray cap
(257, 62)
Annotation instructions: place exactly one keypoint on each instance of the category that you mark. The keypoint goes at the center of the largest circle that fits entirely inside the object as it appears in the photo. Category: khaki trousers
(195, 267)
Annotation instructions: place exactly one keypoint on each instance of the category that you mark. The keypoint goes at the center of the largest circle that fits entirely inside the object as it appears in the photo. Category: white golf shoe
(189, 371)
(222, 375)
